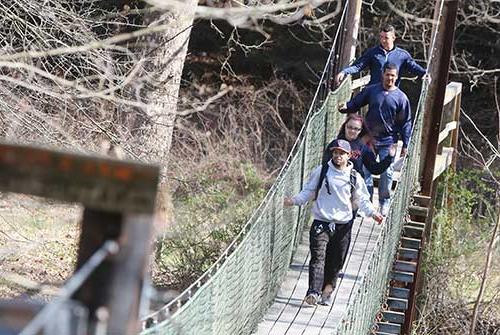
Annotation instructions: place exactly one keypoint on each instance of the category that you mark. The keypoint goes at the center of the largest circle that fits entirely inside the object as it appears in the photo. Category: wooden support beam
(412, 231)
(389, 328)
(411, 243)
(346, 51)
(408, 253)
(405, 277)
(445, 14)
(405, 266)
(394, 317)
(399, 292)
(422, 200)
(96, 182)
(397, 303)
(416, 224)
(438, 69)
(418, 211)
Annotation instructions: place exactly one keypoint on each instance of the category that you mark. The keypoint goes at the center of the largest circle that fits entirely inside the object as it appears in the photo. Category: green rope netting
(365, 304)
(237, 290)
(232, 297)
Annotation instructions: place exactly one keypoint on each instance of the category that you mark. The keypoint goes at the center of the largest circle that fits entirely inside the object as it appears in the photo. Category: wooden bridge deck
(290, 315)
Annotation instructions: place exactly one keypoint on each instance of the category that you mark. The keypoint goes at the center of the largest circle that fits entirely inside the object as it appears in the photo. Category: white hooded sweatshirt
(337, 206)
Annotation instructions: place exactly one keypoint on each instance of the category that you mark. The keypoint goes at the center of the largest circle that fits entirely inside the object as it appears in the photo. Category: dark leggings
(328, 253)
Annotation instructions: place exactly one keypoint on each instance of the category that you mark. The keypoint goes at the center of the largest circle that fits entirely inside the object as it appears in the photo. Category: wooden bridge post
(346, 50)
(439, 63)
(119, 199)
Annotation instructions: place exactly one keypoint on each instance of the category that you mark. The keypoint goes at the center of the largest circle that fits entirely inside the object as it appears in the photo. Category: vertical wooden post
(128, 273)
(350, 38)
(346, 51)
(96, 227)
(438, 69)
(116, 284)
(454, 133)
(439, 63)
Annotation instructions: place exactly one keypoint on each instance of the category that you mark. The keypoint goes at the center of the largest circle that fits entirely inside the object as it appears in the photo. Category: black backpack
(322, 175)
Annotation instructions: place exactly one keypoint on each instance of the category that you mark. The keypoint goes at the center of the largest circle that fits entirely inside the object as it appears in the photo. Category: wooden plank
(406, 277)
(405, 266)
(399, 292)
(453, 89)
(416, 224)
(357, 83)
(449, 127)
(418, 210)
(422, 200)
(96, 182)
(412, 231)
(397, 303)
(127, 275)
(408, 253)
(443, 161)
(390, 328)
(411, 243)
(394, 317)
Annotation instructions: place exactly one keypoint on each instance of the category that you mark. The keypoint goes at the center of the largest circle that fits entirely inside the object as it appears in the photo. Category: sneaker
(312, 299)
(326, 300)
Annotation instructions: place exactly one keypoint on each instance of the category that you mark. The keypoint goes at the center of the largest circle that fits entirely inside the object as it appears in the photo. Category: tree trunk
(167, 61)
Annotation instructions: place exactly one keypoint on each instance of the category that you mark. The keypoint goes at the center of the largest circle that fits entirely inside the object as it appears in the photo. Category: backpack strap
(324, 169)
(322, 175)
(352, 181)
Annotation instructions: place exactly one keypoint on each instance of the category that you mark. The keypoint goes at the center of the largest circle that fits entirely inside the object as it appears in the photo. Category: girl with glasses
(354, 131)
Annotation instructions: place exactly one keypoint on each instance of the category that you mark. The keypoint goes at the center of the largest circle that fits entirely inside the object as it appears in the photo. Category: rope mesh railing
(238, 291)
(362, 309)
(233, 295)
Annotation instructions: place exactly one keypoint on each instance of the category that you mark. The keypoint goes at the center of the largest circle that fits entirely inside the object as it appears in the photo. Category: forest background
(216, 93)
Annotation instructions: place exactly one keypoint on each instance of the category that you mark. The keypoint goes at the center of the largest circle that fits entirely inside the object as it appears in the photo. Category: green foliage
(208, 217)
(461, 229)
(461, 197)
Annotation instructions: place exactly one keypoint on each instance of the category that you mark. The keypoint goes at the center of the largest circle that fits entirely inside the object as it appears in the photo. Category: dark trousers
(328, 253)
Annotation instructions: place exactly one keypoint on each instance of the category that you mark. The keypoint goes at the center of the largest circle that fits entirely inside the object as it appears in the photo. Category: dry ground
(38, 241)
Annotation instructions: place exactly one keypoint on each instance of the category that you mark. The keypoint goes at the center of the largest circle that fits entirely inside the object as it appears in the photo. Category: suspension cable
(73, 284)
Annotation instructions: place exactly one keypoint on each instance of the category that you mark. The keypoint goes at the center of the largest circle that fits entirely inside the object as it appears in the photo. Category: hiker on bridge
(363, 157)
(386, 52)
(336, 189)
(388, 116)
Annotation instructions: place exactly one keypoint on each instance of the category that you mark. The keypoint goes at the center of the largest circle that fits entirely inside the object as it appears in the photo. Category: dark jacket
(388, 115)
(375, 58)
(361, 155)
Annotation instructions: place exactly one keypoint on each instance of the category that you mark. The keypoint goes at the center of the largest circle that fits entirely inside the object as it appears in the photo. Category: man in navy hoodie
(375, 58)
(388, 117)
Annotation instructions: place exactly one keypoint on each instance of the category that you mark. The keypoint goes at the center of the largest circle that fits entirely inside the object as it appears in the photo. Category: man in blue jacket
(388, 117)
(375, 58)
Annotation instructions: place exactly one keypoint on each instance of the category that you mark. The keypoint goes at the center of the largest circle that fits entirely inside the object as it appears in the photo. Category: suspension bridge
(258, 283)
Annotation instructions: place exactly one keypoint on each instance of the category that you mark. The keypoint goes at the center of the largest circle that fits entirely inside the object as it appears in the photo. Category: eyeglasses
(353, 128)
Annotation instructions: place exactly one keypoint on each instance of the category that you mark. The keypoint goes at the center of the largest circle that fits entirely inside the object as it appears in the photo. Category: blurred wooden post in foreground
(119, 199)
